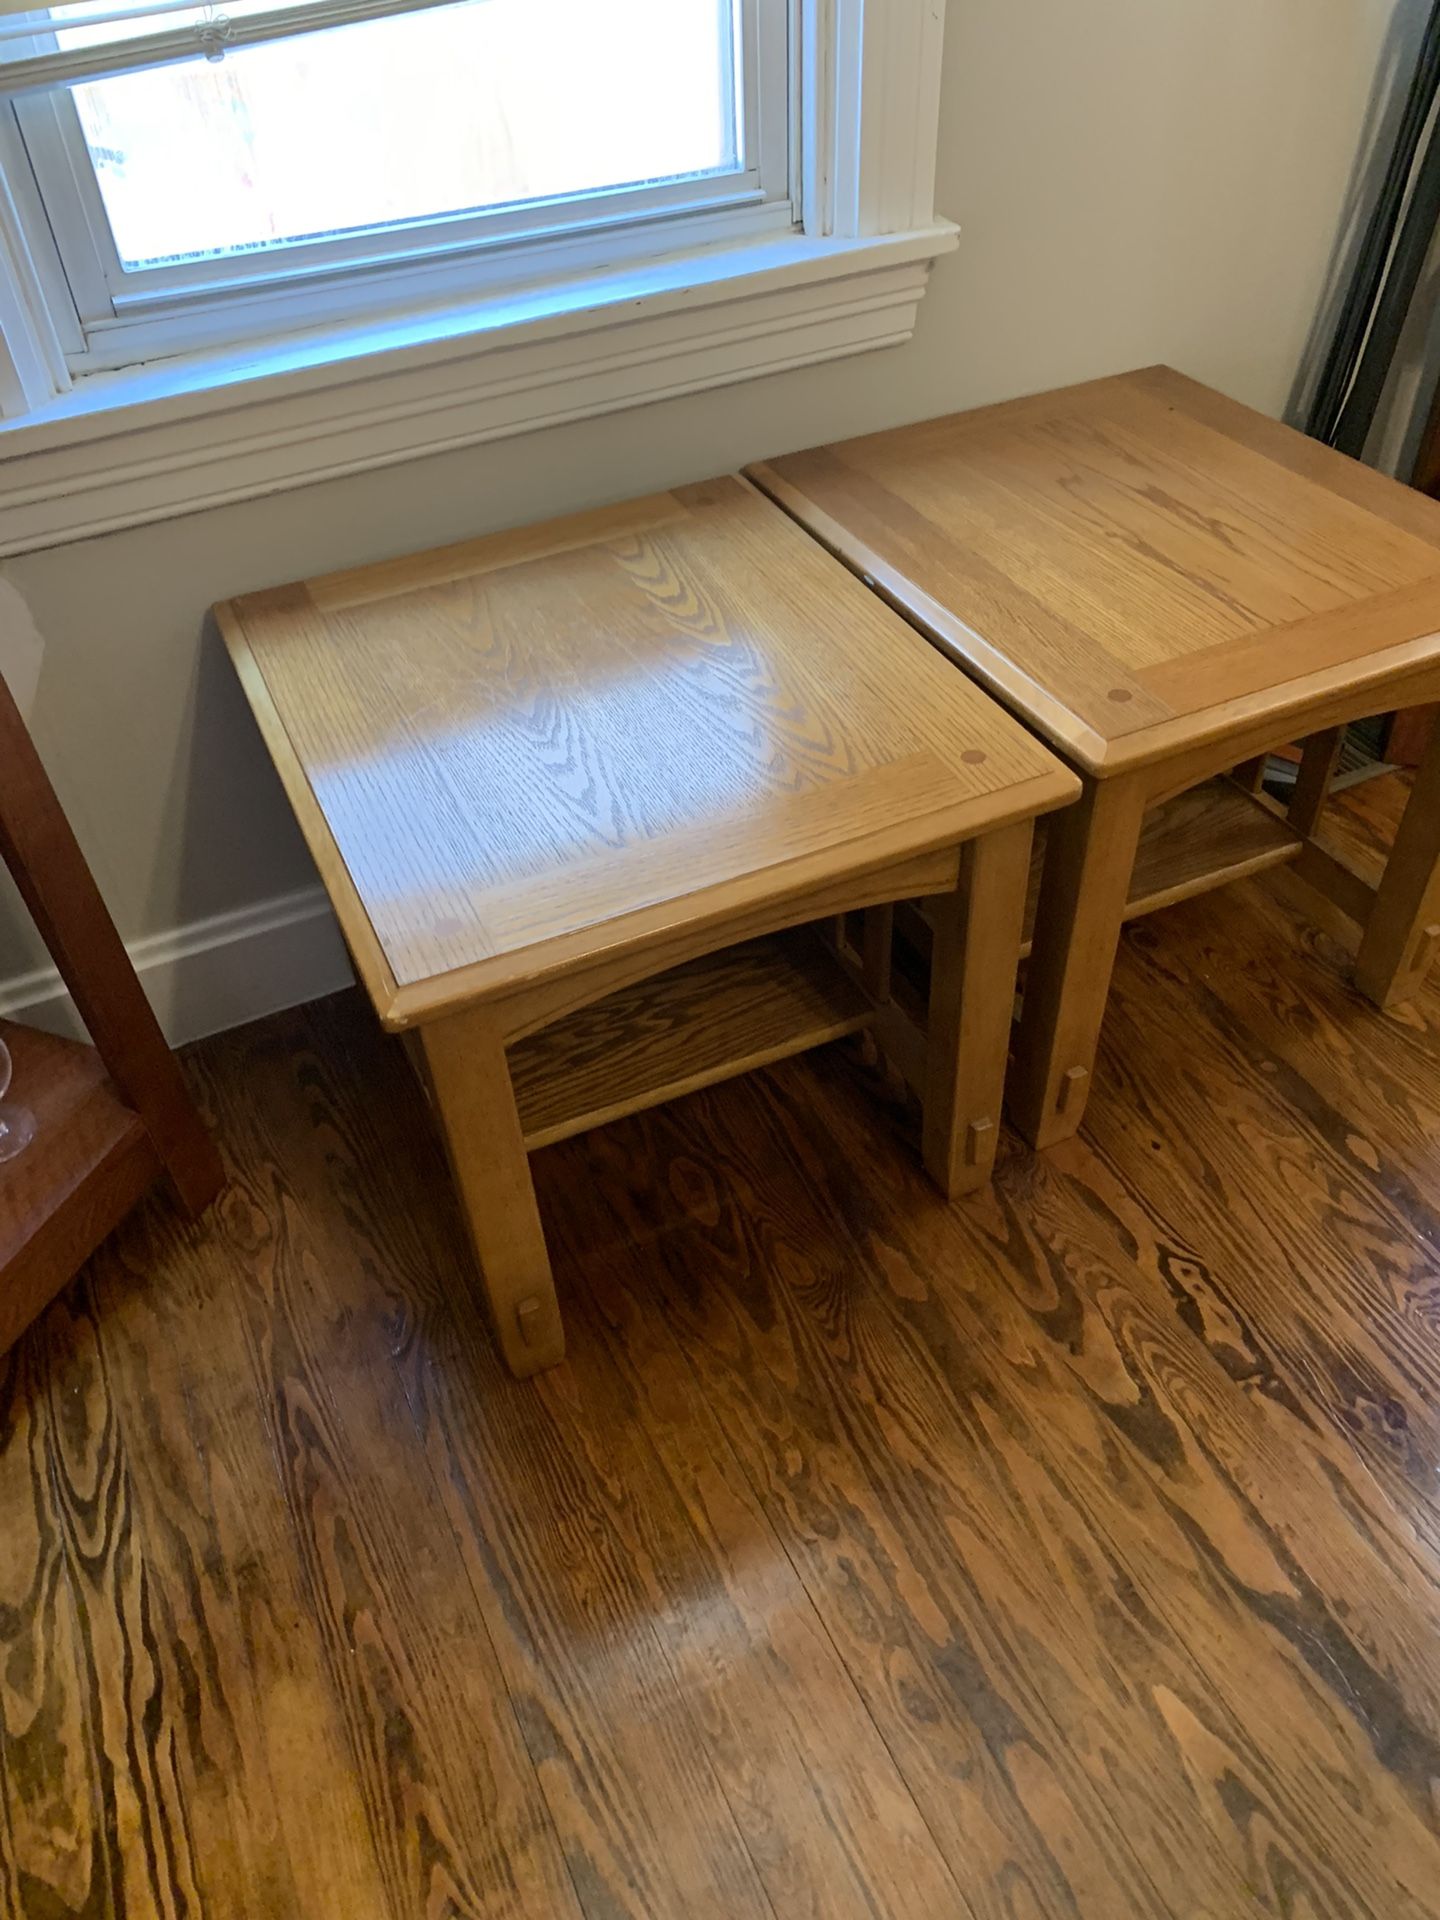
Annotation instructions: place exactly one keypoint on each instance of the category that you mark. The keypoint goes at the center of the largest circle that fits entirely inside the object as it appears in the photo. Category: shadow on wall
(1415, 371)
(226, 966)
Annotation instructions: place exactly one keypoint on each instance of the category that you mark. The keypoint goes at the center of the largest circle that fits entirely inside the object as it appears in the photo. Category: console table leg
(978, 930)
(1089, 860)
(473, 1096)
(1402, 934)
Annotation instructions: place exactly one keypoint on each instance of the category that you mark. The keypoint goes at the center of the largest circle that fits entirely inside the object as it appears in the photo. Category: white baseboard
(213, 973)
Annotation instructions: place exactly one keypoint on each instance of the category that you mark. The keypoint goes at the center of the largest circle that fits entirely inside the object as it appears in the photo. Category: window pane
(451, 111)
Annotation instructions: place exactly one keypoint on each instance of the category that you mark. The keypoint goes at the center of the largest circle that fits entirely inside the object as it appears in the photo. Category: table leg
(878, 952)
(1319, 758)
(978, 929)
(1089, 861)
(471, 1081)
(1402, 933)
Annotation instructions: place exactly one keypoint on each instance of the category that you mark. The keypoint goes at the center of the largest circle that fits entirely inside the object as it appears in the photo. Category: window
(320, 169)
(250, 244)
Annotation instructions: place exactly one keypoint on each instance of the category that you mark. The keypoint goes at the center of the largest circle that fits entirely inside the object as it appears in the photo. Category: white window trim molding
(119, 449)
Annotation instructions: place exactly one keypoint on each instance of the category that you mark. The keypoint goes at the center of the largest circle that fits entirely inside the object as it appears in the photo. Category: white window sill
(180, 435)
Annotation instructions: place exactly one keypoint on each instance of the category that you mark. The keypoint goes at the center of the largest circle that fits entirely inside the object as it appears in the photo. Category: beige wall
(1137, 180)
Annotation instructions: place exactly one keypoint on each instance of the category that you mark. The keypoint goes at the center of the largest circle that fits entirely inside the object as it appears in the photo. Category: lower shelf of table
(752, 1004)
(1206, 838)
(676, 1032)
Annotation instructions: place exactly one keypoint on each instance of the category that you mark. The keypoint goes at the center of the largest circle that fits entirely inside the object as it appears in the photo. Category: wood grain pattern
(1361, 1364)
(1134, 565)
(686, 706)
(1358, 635)
(1071, 1553)
(967, 1455)
(1368, 1078)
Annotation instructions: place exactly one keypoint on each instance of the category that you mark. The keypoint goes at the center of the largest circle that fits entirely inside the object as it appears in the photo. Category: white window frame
(129, 316)
(157, 408)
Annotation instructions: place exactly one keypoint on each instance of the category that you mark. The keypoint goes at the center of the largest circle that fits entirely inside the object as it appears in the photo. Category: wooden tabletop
(514, 754)
(1136, 565)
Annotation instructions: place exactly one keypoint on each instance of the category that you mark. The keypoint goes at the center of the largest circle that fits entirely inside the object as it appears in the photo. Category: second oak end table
(1163, 584)
(575, 793)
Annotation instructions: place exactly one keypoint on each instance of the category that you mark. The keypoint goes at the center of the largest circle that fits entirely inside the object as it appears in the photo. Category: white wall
(1137, 180)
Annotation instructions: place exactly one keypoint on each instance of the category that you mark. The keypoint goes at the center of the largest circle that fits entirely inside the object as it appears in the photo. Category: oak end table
(585, 795)
(1162, 584)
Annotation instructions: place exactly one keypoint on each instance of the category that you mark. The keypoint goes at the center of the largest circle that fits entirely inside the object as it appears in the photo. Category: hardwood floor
(1070, 1551)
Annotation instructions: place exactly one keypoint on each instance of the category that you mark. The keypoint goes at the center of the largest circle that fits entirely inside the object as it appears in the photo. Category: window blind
(65, 46)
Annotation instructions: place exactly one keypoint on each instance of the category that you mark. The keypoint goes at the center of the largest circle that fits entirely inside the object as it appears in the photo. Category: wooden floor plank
(1073, 1551)
(646, 1617)
(1232, 1445)
(452, 1813)
(231, 1633)
(950, 1423)
(866, 1528)
(1336, 1285)
(824, 1809)
(1371, 1078)
(51, 1853)
(218, 1640)
(617, 1748)
(146, 1739)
